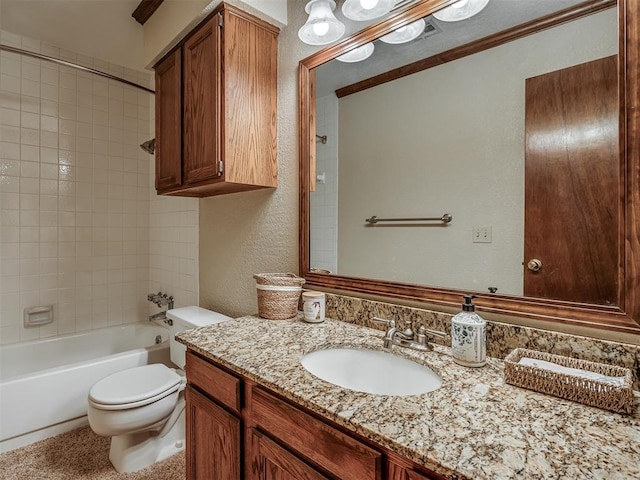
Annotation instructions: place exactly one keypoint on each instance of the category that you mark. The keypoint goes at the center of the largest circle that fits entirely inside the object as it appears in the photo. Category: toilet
(143, 408)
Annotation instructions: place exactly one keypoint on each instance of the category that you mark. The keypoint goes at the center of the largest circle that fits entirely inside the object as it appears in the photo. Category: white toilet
(142, 408)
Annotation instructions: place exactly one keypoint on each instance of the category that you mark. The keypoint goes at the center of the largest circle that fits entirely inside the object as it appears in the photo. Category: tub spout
(158, 316)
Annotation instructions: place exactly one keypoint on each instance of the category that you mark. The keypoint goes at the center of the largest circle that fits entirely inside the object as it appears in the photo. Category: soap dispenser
(469, 336)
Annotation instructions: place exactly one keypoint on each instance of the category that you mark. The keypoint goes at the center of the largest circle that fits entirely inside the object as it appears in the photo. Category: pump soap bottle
(469, 336)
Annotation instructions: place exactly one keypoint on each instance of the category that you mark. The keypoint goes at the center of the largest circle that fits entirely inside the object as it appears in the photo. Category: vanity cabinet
(216, 108)
(281, 439)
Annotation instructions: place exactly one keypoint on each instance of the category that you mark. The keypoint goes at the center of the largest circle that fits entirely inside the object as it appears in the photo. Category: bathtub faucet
(158, 316)
(160, 300)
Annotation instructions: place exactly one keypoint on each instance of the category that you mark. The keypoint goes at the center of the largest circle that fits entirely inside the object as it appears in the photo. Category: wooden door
(201, 76)
(572, 183)
(272, 462)
(168, 122)
(213, 440)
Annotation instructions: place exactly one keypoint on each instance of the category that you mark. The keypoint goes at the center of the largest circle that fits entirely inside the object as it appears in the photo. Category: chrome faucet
(160, 300)
(407, 338)
(158, 316)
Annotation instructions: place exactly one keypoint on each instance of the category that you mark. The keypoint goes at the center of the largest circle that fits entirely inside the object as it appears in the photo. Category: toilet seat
(135, 387)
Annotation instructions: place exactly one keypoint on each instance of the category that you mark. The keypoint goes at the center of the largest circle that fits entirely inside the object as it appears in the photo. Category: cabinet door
(202, 81)
(398, 472)
(168, 122)
(213, 440)
(272, 462)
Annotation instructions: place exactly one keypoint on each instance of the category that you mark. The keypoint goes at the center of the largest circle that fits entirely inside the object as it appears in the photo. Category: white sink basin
(371, 371)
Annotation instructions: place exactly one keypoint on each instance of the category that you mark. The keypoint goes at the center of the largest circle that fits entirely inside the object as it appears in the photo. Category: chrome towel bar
(446, 218)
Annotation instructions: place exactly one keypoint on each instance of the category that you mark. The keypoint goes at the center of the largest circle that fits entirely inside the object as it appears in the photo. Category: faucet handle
(382, 321)
(424, 332)
(427, 332)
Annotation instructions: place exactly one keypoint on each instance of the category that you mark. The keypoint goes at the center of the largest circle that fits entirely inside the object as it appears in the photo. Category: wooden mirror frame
(623, 318)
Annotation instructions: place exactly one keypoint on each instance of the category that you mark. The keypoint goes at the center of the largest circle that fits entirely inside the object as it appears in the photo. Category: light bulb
(363, 10)
(406, 33)
(369, 4)
(460, 10)
(357, 54)
(320, 28)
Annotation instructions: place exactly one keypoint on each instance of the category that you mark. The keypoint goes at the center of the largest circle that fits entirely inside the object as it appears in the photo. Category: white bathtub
(44, 383)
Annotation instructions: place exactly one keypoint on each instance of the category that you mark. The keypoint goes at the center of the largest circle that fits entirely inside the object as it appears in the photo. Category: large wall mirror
(497, 155)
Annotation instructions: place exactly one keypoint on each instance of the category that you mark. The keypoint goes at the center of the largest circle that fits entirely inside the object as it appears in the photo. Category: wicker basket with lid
(278, 294)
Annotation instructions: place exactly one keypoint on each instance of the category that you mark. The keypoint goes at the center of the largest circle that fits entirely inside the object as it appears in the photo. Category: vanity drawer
(330, 449)
(215, 382)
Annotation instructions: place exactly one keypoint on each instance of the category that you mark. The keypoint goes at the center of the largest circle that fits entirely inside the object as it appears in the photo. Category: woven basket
(617, 398)
(278, 295)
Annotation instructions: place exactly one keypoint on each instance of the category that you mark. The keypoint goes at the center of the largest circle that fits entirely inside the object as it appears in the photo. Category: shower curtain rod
(72, 65)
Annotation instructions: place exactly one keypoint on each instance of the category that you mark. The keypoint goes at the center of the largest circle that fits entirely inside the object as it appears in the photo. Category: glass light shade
(357, 54)
(361, 10)
(405, 34)
(461, 10)
(322, 27)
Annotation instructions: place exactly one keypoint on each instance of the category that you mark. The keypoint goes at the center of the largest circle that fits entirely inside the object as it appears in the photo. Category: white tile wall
(76, 196)
(173, 255)
(324, 201)
(173, 244)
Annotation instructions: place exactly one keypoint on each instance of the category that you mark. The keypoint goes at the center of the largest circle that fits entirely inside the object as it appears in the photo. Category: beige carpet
(79, 454)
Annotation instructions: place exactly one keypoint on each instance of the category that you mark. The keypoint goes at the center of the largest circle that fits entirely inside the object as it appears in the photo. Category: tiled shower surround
(324, 200)
(79, 218)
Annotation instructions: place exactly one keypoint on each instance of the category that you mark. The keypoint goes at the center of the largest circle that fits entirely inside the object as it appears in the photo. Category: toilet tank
(186, 318)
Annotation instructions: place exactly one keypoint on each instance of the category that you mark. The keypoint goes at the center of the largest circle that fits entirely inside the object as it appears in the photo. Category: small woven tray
(617, 398)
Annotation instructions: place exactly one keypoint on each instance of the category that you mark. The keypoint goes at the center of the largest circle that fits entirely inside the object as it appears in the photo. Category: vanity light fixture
(357, 54)
(460, 10)
(361, 10)
(405, 34)
(322, 27)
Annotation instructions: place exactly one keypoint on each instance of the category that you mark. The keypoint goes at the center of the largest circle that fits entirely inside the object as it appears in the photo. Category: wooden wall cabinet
(281, 440)
(216, 96)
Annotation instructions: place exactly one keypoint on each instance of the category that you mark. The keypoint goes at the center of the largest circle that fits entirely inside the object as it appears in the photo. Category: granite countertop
(475, 426)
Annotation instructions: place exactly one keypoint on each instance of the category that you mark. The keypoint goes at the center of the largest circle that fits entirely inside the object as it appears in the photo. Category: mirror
(463, 135)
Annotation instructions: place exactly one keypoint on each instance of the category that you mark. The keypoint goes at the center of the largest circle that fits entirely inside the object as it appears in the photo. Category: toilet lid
(135, 385)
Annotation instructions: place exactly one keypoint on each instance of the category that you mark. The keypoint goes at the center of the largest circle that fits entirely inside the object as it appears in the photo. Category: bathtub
(44, 383)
